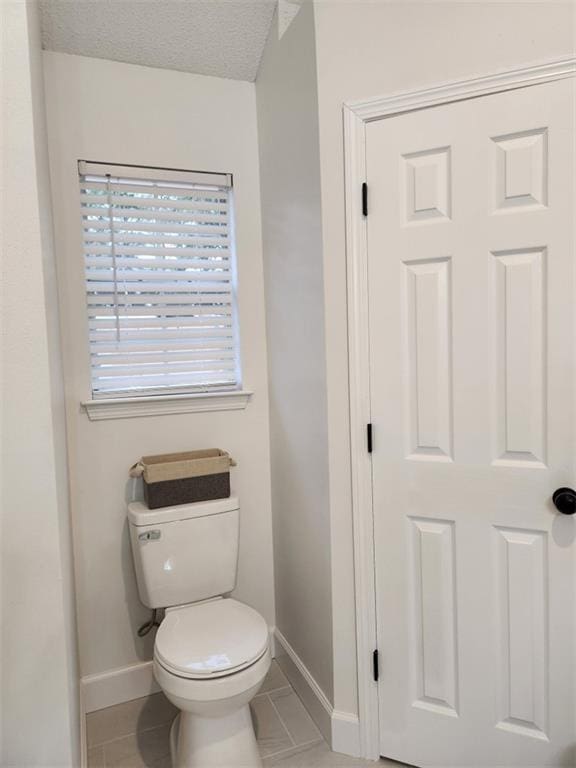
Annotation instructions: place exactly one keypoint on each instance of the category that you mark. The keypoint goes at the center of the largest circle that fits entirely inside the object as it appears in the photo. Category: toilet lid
(210, 639)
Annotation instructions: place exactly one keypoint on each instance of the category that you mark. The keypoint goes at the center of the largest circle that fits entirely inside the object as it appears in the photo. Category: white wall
(120, 113)
(369, 49)
(40, 707)
(292, 237)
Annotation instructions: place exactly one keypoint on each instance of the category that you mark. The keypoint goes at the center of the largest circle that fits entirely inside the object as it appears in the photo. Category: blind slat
(133, 262)
(167, 239)
(159, 286)
(192, 345)
(103, 214)
(102, 341)
(190, 324)
(123, 203)
(150, 191)
(141, 226)
(141, 190)
(207, 356)
(161, 305)
(143, 282)
(144, 252)
(101, 370)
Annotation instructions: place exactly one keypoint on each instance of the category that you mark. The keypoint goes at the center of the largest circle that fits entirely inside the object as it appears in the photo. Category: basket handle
(232, 461)
(137, 470)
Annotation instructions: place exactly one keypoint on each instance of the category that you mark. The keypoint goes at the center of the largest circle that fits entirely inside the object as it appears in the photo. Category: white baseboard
(303, 682)
(118, 685)
(340, 729)
(346, 734)
(83, 734)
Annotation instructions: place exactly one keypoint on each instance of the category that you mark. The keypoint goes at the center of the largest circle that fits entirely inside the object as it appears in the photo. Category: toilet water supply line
(148, 626)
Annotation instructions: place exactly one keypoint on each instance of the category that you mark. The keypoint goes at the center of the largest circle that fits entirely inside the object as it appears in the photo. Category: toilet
(212, 652)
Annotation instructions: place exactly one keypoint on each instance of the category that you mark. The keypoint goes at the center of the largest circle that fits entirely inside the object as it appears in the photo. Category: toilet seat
(211, 639)
(191, 694)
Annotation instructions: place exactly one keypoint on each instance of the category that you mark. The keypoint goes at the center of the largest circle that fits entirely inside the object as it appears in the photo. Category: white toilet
(211, 653)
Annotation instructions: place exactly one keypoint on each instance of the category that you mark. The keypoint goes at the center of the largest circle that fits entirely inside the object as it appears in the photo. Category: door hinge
(364, 199)
(369, 437)
(375, 666)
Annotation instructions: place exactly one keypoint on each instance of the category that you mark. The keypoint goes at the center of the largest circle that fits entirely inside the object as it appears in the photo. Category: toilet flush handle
(149, 536)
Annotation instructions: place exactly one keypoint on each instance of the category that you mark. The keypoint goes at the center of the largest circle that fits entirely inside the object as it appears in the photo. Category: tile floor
(135, 734)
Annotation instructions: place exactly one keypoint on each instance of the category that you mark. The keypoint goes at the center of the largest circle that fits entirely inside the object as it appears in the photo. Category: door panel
(471, 286)
(522, 610)
(427, 313)
(435, 683)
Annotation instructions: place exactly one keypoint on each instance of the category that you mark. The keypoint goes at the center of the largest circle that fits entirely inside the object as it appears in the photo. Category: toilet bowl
(210, 659)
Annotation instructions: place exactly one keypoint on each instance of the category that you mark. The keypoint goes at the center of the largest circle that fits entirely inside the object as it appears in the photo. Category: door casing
(356, 115)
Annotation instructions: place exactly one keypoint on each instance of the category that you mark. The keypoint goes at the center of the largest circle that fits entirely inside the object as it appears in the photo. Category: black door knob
(565, 500)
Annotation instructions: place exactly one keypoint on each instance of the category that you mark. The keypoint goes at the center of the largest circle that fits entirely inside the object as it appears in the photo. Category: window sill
(164, 405)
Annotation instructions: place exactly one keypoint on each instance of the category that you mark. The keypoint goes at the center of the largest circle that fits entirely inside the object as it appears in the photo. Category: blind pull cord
(113, 252)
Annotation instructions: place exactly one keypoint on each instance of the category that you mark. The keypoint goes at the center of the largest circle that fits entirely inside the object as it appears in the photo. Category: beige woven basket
(182, 478)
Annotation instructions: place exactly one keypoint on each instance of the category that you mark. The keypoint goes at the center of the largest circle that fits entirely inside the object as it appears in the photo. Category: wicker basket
(183, 478)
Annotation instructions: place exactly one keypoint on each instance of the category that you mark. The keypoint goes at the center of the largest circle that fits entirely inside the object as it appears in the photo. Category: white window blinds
(159, 260)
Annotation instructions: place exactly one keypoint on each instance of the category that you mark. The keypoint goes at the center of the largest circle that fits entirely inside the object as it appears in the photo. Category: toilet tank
(186, 553)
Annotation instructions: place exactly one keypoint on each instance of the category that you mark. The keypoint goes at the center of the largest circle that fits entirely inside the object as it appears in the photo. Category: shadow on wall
(563, 534)
(568, 757)
(139, 613)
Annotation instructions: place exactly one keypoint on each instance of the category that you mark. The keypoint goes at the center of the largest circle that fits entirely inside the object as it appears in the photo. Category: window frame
(179, 399)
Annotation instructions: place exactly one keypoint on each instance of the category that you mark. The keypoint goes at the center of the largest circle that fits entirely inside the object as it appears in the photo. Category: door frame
(356, 115)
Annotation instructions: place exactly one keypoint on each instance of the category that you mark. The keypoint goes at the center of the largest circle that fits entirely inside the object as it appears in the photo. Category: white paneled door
(472, 346)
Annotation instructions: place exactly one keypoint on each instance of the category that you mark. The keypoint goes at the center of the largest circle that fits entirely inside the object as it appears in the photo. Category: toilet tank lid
(139, 514)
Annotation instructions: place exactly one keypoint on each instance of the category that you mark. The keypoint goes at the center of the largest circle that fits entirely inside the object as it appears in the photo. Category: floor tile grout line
(274, 690)
(132, 733)
(282, 721)
(297, 749)
(300, 747)
(308, 715)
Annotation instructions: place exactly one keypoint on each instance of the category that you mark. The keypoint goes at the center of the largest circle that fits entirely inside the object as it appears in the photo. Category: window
(160, 281)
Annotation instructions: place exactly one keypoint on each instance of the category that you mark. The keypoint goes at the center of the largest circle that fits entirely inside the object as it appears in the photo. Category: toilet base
(214, 742)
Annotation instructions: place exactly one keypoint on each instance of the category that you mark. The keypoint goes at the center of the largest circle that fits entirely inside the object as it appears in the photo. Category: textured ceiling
(224, 38)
